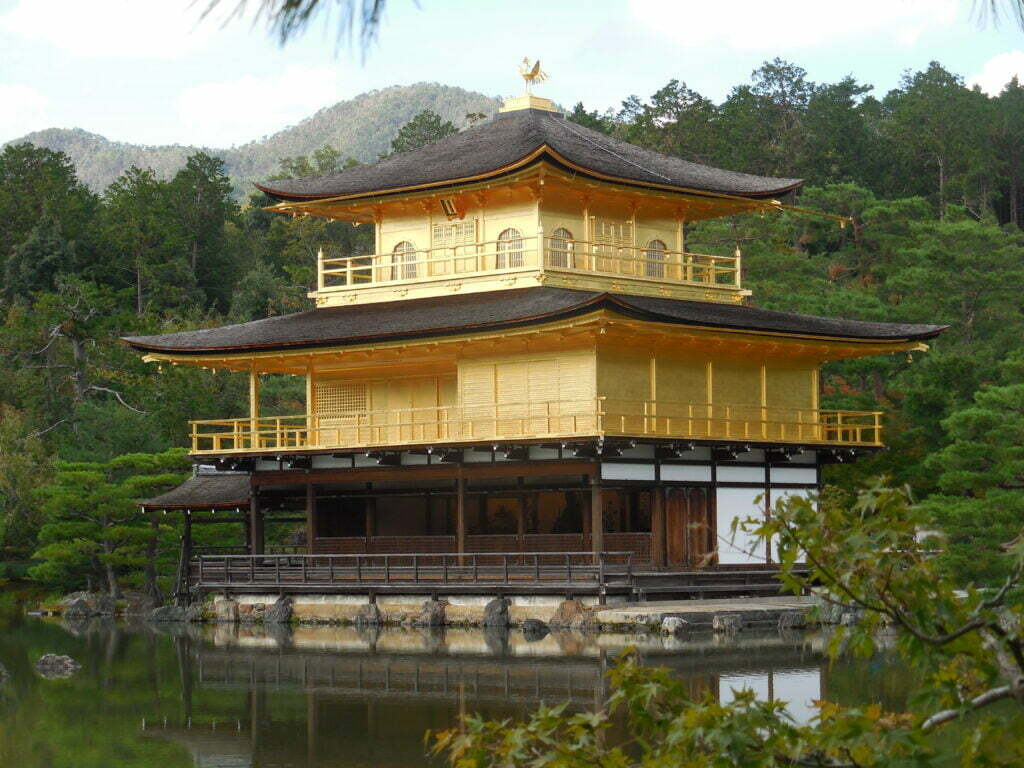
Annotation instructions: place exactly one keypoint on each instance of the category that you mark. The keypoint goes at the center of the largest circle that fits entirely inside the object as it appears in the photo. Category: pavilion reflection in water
(342, 697)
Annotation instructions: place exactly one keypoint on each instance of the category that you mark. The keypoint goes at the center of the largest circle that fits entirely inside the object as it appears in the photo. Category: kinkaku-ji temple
(530, 387)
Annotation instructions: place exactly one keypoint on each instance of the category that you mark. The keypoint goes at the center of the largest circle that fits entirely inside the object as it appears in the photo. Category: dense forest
(932, 175)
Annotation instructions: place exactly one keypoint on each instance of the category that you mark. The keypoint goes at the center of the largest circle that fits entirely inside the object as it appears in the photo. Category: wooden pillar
(596, 517)
(658, 526)
(585, 516)
(254, 407)
(184, 585)
(310, 517)
(257, 540)
(371, 517)
(521, 523)
(460, 516)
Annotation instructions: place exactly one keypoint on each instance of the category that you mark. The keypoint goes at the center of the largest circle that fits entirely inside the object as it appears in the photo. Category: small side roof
(223, 490)
(496, 310)
(513, 140)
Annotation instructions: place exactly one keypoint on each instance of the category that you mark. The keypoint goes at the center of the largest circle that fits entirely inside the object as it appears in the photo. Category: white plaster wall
(732, 504)
(620, 471)
(685, 472)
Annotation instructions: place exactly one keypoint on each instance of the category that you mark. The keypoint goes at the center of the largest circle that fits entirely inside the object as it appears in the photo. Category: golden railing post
(320, 282)
(736, 267)
(254, 407)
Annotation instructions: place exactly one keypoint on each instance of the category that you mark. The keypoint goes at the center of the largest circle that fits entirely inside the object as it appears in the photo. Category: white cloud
(24, 109)
(132, 29)
(760, 25)
(998, 71)
(235, 111)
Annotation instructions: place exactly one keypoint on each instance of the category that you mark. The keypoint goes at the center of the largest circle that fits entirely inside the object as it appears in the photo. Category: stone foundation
(468, 610)
(553, 613)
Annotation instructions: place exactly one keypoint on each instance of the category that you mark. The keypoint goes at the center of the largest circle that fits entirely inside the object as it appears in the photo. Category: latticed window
(608, 232)
(561, 248)
(404, 257)
(654, 258)
(453, 234)
(332, 397)
(510, 249)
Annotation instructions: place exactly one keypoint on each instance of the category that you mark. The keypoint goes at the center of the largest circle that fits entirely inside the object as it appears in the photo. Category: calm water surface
(229, 697)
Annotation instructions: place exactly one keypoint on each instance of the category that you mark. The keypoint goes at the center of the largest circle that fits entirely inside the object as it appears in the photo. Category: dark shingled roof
(205, 491)
(450, 315)
(507, 140)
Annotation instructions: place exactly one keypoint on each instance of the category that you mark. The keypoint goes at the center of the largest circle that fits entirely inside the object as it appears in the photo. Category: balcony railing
(527, 254)
(559, 419)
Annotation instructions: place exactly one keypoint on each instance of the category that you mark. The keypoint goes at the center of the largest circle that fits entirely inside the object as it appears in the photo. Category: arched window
(654, 259)
(560, 248)
(510, 249)
(403, 257)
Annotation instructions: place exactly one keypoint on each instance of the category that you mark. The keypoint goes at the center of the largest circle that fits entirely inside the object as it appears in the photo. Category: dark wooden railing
(500, 569)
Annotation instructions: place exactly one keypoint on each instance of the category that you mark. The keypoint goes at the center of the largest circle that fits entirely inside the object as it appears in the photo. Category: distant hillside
(361, 128)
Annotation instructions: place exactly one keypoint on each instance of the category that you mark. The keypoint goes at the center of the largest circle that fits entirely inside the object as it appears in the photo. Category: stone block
(167, 613)
(496, 613)
(534, 630)
(726, 623)
(673, 626)
(280, 612)
(225, 610)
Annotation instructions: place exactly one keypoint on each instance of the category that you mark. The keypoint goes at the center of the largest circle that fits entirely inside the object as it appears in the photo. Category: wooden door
(688, 527)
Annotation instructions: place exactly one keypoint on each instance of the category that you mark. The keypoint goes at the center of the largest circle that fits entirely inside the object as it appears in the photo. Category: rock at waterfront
(726, 623)
(104, 605)
(830, 613)
(167, 613)
(673, 626)
(496, 613)
(194, 613)
(251, 613)
(54, 667)
(78, 610)
(280, 612)
(534, 630)
(369, 615)
(432, 614)
(792, 620)
(572, 614)
(4, 676)
(225, 610)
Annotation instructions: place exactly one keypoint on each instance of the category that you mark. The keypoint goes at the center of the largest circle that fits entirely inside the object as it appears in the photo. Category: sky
(155, 72)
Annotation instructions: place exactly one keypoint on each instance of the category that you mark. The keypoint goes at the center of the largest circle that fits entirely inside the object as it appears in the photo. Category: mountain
(362, 127)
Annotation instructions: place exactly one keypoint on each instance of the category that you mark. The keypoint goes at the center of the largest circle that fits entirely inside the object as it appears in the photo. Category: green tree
(24, 464)
(200, 194)
(36, 262)
(148, 241)
(940, 126)
(37, 183)
(1008, 127)
(867, 559)
(424, 128)
(676, 121)
(94, 532)
(980, 471)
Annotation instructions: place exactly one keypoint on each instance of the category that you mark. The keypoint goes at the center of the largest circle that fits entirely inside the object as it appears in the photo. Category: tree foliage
(425, 128)
(866, 558)
(93, 531)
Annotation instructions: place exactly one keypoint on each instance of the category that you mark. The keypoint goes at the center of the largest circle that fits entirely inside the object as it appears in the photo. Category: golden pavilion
(531, 365)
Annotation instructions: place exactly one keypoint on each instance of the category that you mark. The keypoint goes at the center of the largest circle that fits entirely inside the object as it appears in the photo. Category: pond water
(230, 697)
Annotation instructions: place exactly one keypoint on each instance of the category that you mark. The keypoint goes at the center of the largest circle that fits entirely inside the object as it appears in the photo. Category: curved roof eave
(538, 156)
(552, 305)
